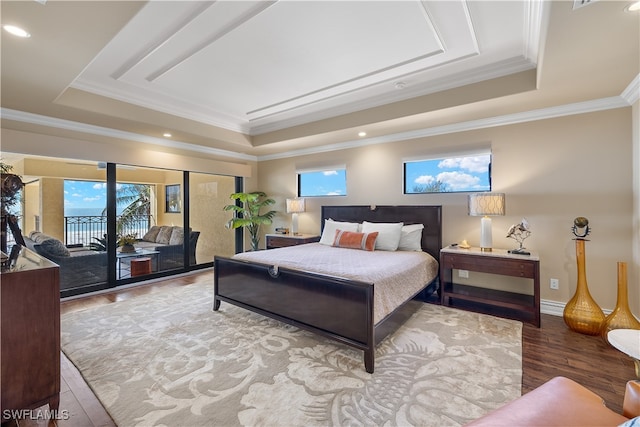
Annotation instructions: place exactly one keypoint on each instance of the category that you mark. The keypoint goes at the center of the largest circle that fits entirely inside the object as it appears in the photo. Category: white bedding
(396, 276)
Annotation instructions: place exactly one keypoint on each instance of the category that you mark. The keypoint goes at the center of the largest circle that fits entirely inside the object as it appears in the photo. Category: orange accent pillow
(353, 240)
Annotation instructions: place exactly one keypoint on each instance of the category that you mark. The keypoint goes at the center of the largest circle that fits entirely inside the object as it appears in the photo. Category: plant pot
(128, 248)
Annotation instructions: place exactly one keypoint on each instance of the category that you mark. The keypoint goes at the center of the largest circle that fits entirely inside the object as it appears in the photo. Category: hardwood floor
(550, 351)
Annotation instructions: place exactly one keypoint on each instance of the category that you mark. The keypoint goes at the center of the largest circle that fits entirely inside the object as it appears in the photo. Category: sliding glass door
(91, 209)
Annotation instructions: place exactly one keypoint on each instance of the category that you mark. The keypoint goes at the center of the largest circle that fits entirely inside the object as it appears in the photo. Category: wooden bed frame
(334, 307)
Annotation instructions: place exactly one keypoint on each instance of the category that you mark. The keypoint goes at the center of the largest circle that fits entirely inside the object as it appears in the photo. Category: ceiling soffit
(256, 67)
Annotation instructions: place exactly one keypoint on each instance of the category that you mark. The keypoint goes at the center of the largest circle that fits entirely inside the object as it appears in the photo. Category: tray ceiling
(256, 67)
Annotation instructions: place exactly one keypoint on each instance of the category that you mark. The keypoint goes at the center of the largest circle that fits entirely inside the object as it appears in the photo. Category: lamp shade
(486, 204)
(295, 205)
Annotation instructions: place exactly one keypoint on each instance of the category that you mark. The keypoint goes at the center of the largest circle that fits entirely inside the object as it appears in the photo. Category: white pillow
(388, 234)
(330, 227)
(411, 238)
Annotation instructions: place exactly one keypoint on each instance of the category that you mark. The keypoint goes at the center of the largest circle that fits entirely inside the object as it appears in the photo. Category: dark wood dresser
(30, 334)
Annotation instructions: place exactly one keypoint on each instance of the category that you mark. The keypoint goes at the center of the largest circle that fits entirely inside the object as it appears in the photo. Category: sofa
(78, 267)
(563, 402)
(169, 242)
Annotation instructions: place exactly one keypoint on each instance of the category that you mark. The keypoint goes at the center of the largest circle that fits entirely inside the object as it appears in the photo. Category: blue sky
(458, 173)
(85, 194)
(324, 183)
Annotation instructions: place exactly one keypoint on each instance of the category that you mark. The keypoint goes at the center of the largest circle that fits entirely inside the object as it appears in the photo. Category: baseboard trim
(556, 308)
(553, 308)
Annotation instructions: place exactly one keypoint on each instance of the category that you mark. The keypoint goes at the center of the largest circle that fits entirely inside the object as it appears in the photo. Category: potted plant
(126, 242)
(11, 186)
(248, 214)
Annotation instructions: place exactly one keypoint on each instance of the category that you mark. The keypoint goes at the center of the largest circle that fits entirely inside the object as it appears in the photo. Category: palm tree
(137, 201)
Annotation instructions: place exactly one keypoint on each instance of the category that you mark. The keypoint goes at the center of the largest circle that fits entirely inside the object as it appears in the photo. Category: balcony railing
(80, 230)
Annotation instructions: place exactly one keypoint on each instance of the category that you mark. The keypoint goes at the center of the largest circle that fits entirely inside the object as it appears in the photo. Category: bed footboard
(338, 308)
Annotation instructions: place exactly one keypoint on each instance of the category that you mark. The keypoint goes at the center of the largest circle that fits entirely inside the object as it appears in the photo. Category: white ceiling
(257, 66)
(260, 78)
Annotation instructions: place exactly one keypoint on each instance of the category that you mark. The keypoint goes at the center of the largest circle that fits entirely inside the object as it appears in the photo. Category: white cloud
(328, 173)
(76, 195)
(471, 164)
(424, 179)
(458, 180)
(99, 186)
(91, 199)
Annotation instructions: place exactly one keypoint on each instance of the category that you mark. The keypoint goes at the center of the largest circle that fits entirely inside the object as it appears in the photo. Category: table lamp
(294, 207)
(485, 205)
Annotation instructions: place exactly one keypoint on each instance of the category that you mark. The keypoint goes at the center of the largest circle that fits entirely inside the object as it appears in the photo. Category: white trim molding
(556, 308)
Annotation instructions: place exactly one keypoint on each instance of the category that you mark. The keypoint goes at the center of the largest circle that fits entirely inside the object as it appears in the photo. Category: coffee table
(137, 254)
(628, 342)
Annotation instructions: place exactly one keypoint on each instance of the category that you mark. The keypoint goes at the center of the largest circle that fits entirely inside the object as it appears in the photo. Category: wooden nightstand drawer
(506, 267)
(281, 241)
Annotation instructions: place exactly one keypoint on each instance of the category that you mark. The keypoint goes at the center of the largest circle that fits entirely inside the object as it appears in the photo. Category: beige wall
(52, 207)
(170, 177)
(31, 207)
(209, 194)
(634, 267)
(551, 171)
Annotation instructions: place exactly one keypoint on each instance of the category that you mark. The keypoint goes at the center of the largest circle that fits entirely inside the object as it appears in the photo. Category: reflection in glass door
(208, 194)
(149, 222)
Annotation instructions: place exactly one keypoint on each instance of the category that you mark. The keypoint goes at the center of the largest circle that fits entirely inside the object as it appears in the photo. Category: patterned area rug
(167, 359)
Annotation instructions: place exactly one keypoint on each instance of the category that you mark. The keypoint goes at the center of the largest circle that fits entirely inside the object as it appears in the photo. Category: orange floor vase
(621, 317)
(582, 314)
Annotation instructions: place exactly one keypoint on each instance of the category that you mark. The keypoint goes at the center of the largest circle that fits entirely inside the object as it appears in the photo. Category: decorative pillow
(152, 234)
(411, 238)
(330, 227)
(164, 235)
(355, 240)
(39, 237)
(177, 236)
(388, 234)
(54, 247)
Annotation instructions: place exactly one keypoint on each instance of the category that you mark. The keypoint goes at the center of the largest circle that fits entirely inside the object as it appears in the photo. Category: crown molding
(632, 92)
(629, 96)
(491, 71)
(509, 119)
(37, 119)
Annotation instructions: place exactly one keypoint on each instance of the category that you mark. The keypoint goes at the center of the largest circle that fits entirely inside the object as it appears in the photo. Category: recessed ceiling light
(167, 135)
(361, 134)
(634, 7)
(16, 31)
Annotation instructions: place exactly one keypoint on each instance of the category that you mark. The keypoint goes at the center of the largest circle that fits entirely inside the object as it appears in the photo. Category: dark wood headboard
(430, 216)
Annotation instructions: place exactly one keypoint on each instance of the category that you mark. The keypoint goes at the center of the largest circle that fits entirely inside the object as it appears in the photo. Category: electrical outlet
(554, 283)
(463, 274)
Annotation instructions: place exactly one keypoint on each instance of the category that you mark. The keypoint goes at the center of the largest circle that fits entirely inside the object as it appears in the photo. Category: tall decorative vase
(582, 314)
(621, 317)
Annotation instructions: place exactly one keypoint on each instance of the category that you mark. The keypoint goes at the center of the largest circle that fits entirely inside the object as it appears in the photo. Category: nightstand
(500, 303)
(282, 240)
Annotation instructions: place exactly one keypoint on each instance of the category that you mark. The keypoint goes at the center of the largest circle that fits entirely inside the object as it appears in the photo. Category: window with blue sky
(88, 198)
(330, 182)
(448, 175)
